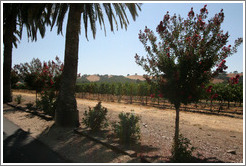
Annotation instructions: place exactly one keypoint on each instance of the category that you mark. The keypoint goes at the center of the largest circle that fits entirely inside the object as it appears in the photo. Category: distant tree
(181, 62)
(37, 75)
(235, 72)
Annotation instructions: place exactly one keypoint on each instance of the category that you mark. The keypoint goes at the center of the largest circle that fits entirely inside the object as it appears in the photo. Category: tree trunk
(7, 61)
(176, 135)
(66, 111)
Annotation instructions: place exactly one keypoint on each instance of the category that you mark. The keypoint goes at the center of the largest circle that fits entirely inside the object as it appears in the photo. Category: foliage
(184, 150)
(44, 78)
(38, 76)
(19, 99)
(127, 130)
(29, 105)
(14, 78)
(95, 118)
(47, 103)
(183, 59)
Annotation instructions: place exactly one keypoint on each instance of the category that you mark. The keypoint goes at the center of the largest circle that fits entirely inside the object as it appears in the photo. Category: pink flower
(160, 95)
(152, 95)
(191, 13)
(209, 89)
(51, 82)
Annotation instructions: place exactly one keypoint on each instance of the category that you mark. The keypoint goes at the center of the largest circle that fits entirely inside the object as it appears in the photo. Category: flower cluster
(209, 89)
(152, 95)
(214, 96)
(234, 80)
(191, 13)
(204, 10)
(219, 18)
(160, 28)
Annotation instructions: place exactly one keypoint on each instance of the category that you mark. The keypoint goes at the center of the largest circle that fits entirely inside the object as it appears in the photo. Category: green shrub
(127, 130)
(95, 118)
(184, 151)
(47, 102)
(29, 105)
(19, 99)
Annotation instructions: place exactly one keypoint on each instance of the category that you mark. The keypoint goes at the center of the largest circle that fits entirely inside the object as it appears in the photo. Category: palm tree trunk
(8, 38)
(66, 110)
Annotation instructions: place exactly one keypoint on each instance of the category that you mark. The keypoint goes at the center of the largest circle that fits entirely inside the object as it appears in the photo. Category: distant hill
(108, 79)
(223, 77)
(136, 77)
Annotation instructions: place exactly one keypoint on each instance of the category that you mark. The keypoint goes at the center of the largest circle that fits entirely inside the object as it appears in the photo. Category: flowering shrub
(44, 78)
(234, 80)
(182, 59)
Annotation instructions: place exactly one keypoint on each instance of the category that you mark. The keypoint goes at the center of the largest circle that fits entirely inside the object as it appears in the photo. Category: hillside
(107, 79)
(136, 78)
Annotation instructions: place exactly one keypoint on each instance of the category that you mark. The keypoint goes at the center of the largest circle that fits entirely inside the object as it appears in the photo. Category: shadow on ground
(79, 148)
(21, 148)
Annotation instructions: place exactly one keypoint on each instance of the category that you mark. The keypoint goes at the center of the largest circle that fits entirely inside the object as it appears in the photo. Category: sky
(114, 53)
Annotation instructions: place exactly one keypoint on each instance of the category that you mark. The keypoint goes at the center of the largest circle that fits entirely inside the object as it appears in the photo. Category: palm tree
(15, 16)
(66, 111)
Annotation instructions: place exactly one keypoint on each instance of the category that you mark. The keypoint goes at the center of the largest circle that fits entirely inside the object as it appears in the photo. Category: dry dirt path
(214, 136)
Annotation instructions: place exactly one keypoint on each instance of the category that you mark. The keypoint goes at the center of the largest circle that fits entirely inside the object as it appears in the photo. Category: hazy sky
(114, 54)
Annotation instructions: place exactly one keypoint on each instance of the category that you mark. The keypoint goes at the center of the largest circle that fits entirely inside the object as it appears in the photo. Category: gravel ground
(216, 138)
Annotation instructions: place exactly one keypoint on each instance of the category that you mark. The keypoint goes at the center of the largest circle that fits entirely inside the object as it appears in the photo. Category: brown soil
(216, 138)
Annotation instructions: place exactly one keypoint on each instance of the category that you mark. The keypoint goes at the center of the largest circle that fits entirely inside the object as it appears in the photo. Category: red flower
(160, 95)
(152, 95)
(191, 13)
(209, 89)
(214, 96)
(168, 55)
(51, 82)
(202, 86)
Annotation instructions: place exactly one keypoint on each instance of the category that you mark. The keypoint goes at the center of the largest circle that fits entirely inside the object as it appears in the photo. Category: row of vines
(221, 93)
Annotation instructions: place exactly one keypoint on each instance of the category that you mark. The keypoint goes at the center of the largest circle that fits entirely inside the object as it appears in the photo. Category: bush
(184, 151)
(29, 105)
(95, 118)
(18, 99)
(47, 102)
(127, 130)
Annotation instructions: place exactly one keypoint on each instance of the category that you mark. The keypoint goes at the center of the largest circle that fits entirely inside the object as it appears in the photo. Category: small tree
(182, 61)
(38, 76)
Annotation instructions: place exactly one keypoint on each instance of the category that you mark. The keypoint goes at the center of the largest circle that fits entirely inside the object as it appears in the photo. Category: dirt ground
(216, 138)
